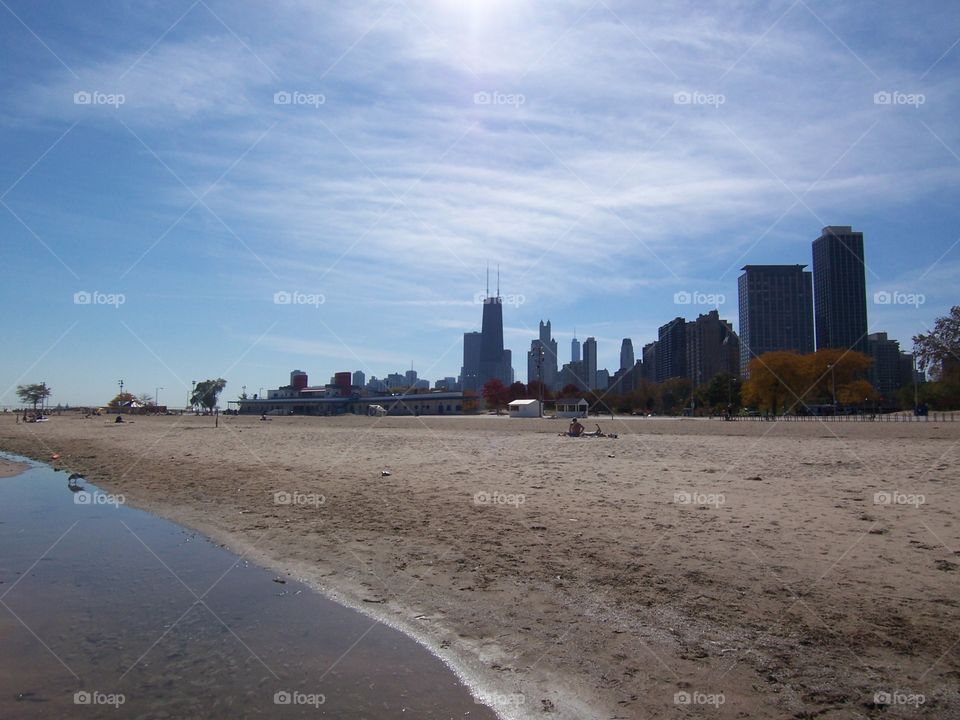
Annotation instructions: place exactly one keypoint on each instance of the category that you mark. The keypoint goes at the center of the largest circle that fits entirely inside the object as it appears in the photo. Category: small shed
(571, 407)
(524, 408)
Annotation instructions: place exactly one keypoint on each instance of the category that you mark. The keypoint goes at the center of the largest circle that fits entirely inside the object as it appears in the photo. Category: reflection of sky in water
(119, 621)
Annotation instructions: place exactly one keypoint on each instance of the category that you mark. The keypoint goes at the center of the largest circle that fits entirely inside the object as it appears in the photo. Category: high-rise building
(590, 362)
(776, 311)
(411, 378)
(495, 361)
(572, 374)
(885, 371)
(359, 378)
(574, 349)
(712, 348)
(603, 379)
(839, 289)
(649, 368)
(626, 354)
(672, 350)
(470, 372)
(551, 359)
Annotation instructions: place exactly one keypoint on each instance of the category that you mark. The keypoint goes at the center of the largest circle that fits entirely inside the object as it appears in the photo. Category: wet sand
(10, 468)
(689, 568)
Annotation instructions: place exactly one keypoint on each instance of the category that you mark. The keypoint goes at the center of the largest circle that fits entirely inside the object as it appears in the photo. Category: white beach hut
(572, 407)
(524, 408)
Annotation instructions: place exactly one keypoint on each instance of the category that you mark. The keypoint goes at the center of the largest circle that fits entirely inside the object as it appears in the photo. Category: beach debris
(55, 456)
(385, 473)
(756, 478)
(280, 580)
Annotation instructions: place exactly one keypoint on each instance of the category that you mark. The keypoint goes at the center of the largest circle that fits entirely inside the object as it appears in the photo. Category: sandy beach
(687, 568)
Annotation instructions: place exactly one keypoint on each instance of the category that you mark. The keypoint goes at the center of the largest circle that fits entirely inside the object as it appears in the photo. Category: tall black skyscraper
(495, 362)
(776, 311)
(839, 289)
(626, 354)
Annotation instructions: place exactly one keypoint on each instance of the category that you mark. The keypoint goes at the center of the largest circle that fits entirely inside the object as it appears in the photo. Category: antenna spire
(488, 279)
(498, 279)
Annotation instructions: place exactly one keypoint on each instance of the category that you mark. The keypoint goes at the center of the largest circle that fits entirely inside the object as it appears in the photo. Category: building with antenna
(493, 361)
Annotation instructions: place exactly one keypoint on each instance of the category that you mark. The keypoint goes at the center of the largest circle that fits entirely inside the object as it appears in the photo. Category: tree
(829, 368)
(570, 390)
(535, 387)
(145, 399)
(940, 348)
(857, 392)
(121, 399)
(722, 390)
(35, 393)
(206, 393)
(496, 394)
(777, 381)
(517, 391)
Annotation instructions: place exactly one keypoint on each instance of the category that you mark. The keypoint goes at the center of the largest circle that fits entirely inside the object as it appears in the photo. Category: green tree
(722, 390)
(207, 392)
(939, 349)
(34, 393)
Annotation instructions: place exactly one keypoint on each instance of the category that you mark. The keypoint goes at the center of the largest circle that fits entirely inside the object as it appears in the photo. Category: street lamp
(540, 354)
(193, 389)
(833, 388)
(156, 396)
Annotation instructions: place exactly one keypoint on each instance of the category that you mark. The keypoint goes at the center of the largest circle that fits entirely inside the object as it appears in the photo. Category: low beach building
(571, 407)
(524, 408)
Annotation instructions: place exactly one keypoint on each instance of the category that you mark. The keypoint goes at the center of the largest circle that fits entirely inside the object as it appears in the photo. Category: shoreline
(599, 596)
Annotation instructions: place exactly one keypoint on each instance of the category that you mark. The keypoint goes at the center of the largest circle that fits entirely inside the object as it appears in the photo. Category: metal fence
(931, 417)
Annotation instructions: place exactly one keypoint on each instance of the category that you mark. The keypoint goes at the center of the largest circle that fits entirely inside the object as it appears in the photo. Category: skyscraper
(550, 360)
(672, 350)
(574, 349)
(495, 361)
(839, 289)
(626, 354)
(776, 311)
(712, 348)
(470, 372)
(590, 362)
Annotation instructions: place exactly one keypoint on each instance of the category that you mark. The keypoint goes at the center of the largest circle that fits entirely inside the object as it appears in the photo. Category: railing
(868, 417)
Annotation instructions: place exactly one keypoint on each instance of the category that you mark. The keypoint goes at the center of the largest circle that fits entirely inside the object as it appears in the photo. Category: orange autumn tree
(783, 381)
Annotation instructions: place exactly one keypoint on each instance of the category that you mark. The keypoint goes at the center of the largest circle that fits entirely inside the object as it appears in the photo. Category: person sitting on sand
(576, 429)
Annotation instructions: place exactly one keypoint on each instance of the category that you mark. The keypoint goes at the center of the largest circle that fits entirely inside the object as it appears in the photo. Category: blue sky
(194, 159)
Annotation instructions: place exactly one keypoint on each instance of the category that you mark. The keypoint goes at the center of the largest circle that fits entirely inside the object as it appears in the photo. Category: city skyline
(182, 199)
